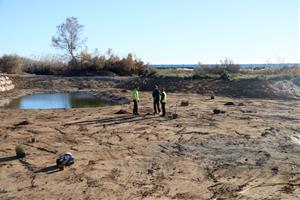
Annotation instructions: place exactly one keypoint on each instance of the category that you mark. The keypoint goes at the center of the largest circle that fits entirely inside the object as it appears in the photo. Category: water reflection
(57, 100)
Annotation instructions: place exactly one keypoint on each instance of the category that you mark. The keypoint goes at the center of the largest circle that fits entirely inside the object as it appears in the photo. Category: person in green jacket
(163, 102)
(135, 97)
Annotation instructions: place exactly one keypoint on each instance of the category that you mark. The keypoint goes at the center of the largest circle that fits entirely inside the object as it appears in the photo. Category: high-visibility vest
(164, 97)
(135, 95)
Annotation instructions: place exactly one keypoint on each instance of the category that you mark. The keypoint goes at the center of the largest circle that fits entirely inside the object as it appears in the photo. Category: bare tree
(68, 37)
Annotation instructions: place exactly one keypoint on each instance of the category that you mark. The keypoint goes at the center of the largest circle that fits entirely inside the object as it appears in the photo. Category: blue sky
(160, 31)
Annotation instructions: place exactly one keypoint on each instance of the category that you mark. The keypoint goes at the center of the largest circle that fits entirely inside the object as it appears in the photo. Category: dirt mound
(286, 88)
(266, 89)
(296, 81)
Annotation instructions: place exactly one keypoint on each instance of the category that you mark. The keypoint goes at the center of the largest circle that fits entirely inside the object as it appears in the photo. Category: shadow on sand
(114, 120)
(7, 159)
(48, 170)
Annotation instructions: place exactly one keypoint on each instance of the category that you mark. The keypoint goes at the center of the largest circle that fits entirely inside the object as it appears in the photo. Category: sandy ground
(251, 151)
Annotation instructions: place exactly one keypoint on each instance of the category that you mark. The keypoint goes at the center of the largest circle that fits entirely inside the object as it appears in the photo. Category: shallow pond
(57, 101)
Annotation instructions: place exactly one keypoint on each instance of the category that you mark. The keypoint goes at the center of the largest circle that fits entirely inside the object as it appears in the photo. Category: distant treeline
(243, 66)
(95, 64)
(87, 64)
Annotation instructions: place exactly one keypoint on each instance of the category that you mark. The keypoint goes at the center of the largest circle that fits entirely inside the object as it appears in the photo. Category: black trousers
(135, 107)
(156, 106)
(163, 107)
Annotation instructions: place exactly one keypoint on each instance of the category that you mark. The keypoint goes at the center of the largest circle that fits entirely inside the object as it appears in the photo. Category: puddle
(57, 101)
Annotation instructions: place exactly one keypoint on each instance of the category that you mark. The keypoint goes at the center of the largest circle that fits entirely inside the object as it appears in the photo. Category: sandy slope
(246, 153)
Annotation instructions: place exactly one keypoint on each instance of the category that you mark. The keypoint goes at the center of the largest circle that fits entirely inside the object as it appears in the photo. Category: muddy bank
(101, 87)
(265, 89)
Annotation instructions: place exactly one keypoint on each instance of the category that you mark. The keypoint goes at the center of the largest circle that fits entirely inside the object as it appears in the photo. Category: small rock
(184, 103)
(92, 162)
(147, 114)
(229, 104)
(288, 189)
(150, 171)
(121, 111)
(174, 116)
(22, 123)
(217, 111)
(274, 169)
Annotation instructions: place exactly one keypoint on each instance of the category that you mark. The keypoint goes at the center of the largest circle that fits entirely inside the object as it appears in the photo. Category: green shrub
(217, 69)
(39, 68)
(147, 71)
(127, 66)
(288, 70)
(202, 76)
(87, 64)
(45, 65)
(10, 64)
(20, 151)
(99, 62)
(230, 66)
(208, 69)
(225, 75)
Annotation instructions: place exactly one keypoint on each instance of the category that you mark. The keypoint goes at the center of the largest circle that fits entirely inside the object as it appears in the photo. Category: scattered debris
(242, 134)
(65, 159)
(229, 103)
(147, 114)
(33, 140)
(121, 112)
(91, 162)
(218, 111)
(269, 131)
(184, 103)
(174, 116)
(288, 189)
(46, 150)
(275, 169)
(22, 123)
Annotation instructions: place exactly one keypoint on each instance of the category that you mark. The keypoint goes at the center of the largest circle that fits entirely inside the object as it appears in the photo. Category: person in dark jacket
(156, 95)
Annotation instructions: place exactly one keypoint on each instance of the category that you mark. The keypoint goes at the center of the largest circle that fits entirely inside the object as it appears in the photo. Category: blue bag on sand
(65, 159)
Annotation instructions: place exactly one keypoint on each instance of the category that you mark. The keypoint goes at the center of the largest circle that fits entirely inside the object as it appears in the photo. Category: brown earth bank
(251, 150)
(249, 88)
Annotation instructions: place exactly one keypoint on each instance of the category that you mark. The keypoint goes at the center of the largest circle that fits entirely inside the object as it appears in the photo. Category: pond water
(57, 101)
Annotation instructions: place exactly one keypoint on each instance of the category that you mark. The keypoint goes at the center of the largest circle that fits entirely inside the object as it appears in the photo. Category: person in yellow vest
(135, 97)
(163, 102)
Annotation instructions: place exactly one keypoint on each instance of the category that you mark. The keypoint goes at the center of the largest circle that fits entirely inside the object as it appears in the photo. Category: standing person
(156, 95)
(135, 97)
(163, 101)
